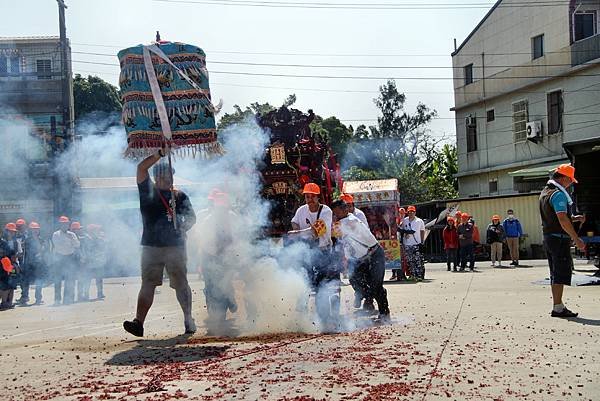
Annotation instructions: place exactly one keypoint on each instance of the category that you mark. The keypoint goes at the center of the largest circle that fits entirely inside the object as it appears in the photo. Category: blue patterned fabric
(189, 110)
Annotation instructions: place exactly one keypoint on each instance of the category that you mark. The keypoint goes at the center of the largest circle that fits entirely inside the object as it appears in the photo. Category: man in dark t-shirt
(163, 245)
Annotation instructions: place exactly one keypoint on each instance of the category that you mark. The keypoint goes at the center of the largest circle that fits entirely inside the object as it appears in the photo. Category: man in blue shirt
(557, 224)
(513, 231)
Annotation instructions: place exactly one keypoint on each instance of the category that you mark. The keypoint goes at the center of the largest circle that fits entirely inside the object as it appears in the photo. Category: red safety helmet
(11, 227)
(34, 225)
(63, 219)
(21, 222)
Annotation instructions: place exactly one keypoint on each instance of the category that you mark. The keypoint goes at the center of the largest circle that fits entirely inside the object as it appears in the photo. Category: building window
(537, 47)
(15, 65)
(491, 115)
(44, 69)
(471, 135)
(555, 112)
(584, 25)
(3, 65)
(469, 74)
(493, 186)
(520, 117)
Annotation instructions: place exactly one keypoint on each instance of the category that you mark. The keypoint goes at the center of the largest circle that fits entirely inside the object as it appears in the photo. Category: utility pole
(64, 181)
(66, 74)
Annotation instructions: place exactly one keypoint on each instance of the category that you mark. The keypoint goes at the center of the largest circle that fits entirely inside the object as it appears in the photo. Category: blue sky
(332, 37)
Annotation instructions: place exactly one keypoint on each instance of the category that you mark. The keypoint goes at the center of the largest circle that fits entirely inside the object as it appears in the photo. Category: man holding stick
(163, 240)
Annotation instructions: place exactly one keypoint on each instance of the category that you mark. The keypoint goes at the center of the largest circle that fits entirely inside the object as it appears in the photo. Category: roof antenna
(157, 36)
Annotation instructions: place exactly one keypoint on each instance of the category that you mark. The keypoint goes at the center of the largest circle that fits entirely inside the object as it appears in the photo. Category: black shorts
(559, 259)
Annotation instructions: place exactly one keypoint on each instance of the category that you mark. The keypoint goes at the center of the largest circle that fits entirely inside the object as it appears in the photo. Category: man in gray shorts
(163, 246)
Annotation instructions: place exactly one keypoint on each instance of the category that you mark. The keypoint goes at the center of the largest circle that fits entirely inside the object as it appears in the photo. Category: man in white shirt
(65, 244)
(362, 248)
(312, 222)
(414, 236)
(349, 199)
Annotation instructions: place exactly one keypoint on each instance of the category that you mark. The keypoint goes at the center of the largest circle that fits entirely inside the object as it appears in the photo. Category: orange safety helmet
(311, 188)
(63, 219)
(495, 217)
(11, 227)
(347, 198)
(464, 215)
(567, 170)
(75, 225)
(21, 222)
(34, 225)
(401, 210)
(411, 209)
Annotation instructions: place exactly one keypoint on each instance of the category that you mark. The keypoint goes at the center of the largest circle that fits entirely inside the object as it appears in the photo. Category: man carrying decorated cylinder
(163, 245)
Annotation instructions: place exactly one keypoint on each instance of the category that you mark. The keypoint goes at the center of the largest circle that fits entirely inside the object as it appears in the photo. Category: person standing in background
(450, 236)
(495, 237)
(83, 273)
(97, 258)
(65, 245)
(24, 274)
(513, 231)
(465, 240)
(35, 249)
(414, 236)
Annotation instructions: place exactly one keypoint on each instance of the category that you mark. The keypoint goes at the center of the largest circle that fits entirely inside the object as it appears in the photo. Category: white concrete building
(526, 80)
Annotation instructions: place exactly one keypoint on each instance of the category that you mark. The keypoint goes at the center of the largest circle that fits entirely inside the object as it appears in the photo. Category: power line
(352, 66)
(272, 53)
(352, 77)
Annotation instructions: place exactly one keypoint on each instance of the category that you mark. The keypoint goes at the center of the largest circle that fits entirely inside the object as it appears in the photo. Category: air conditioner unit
(534, 130)
(470, 121)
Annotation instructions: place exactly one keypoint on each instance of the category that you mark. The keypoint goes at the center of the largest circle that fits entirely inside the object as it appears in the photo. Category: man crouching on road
(163, 246)
(555, 209)
(364, 250)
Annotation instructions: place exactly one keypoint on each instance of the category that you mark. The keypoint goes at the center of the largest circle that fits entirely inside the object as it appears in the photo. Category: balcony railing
(585, 50)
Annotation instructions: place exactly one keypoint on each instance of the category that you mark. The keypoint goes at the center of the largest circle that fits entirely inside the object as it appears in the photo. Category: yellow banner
(391, 248)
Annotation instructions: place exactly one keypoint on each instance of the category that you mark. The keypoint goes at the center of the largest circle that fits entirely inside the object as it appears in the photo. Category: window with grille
(520, 117)
(584, 25)
(15, 65)
(555, 112)
(3, 65)
(44, 69)
(537, 47)
(491, 115)
(469, 74)
(471, 137)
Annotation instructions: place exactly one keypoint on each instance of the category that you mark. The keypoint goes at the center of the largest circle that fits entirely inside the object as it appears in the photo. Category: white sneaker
(493, 264)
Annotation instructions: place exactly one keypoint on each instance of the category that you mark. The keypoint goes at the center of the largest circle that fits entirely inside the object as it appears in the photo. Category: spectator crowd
(69, 260)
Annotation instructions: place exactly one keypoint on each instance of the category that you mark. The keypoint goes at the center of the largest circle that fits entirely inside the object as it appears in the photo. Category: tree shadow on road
(151, 352)
(584, 321)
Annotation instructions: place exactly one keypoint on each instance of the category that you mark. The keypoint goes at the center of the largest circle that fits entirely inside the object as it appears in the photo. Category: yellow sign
(278, 154)
(391, 248)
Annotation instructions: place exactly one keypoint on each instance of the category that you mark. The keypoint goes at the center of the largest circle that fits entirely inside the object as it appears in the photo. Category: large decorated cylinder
(183, 83)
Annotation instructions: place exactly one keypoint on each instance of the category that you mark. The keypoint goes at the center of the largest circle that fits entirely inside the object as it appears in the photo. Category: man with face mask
(557, 225)
(163, 245)
(513, 231)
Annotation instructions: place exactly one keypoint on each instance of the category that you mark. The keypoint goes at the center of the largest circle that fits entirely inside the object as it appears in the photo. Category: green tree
(93, 94)
(251, 111)
(332, 131)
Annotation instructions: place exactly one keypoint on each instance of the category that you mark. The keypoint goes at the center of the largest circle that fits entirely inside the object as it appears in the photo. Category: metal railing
(585, 50)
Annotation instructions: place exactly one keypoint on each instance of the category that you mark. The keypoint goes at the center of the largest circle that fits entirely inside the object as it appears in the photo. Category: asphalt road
(457, 336)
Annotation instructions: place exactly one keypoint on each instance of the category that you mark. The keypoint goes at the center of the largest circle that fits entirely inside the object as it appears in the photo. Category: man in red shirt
(450, 235)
